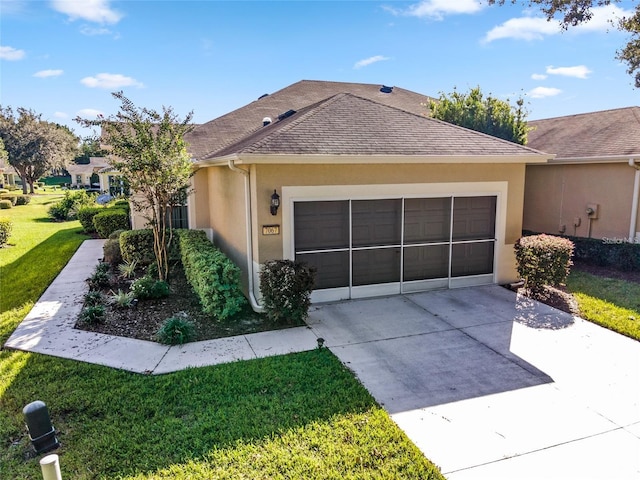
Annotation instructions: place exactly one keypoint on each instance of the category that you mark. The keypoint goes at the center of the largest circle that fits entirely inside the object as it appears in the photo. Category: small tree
(33, 145)
(148, 149)
(483, 114)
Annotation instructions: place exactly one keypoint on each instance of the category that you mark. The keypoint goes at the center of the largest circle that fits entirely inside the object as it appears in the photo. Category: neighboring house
(355, 180)
(97, 175)
(8, 175)
(592, 187)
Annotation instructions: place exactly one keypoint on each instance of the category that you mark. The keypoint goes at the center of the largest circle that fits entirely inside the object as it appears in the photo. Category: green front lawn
(612, 303)
(295, 416)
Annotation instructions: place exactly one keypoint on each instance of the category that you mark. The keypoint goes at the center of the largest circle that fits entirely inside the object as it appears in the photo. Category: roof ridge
(633, 108)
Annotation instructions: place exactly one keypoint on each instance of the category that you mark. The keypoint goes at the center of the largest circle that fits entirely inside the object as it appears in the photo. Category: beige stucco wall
(270, 177)
(556, 198)
(219, 207)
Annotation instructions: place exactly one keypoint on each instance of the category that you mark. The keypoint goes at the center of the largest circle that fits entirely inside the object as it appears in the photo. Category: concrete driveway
(491, 385)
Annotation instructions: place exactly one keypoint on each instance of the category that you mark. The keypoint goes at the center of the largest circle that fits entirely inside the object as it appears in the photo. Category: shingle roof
(597, 134)
(347, 124)
(227, 129)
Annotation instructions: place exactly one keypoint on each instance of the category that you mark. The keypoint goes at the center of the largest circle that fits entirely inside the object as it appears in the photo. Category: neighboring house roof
(607, 133)
(349, 125)
(223, 131)
(95, 165)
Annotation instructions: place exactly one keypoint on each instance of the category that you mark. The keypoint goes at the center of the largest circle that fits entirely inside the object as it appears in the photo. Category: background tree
(575, 12)
(90, 146)
(148, 149)
(3, 154)
(483, 114)
(33, 145)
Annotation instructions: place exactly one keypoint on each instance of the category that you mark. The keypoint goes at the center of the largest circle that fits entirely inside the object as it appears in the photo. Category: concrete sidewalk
(49, 329)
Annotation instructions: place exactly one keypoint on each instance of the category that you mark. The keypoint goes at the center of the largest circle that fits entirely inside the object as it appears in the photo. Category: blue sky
(62, 58)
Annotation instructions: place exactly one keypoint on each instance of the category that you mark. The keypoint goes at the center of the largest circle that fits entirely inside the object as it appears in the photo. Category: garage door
(397, 245)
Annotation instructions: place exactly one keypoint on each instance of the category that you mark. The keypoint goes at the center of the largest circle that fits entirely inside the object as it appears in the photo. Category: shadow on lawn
(116, 423)
(32, 273)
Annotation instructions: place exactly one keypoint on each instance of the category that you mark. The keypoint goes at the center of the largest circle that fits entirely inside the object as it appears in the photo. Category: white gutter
(252, 298)
(634, 201)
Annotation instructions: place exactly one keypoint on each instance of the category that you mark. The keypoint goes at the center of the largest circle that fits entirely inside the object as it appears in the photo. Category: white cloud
(438, 9)
(98, 11)
(110, 81)
(538, 76)
(10, 53)
(93, 31)
(579, 71)
(604, 18)
(48, 73)
(543, 92)
(523, 28)
(61, 115)
(89, 113)
(536, 28)
(369, 61)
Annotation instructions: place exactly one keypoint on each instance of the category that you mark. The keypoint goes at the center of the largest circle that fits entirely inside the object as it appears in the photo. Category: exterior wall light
(275, 203)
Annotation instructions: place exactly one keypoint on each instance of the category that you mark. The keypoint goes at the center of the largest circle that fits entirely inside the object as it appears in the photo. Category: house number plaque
(271, 229)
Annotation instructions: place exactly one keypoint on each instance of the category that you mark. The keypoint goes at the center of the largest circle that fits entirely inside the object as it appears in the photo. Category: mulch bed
(143, 320)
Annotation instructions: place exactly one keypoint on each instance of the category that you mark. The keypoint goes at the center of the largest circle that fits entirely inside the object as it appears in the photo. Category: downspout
(634, 201)
(252, 298)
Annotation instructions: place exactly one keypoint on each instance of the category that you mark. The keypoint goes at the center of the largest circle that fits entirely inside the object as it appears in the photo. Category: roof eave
(311, 159)
(594, 159)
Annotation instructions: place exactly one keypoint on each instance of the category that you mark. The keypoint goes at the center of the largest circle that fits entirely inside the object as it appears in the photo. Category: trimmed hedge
(286, 288)
(23, 199)
(10, 197)
(5, 230)
(110, 220)
(137, 246)
(214, 278)
(5, 204)
(85, 216)
(543, 260)
(609, 252)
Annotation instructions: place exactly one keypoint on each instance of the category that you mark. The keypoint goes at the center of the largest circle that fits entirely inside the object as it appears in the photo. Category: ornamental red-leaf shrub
(286, 288)
(543, 260)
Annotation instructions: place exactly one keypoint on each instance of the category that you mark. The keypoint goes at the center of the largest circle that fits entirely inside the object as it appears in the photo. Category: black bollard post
(41, 431)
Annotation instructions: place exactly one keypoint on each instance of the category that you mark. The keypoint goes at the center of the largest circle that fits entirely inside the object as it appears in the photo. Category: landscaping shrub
(85, 216)
(23, 199)
(127, 270)
(121, 204)
(93, 298)
(3, 190)
(92, 314)
(5, 230)
(176, 331)
(147, 288)
(214, 278)
(10, 197)
(137, 246)
(5, 204)
(100, 277)
(616, 253)
(286, 288)
(111, 251)
(543, 260)
(110, 220)
(122, 299)
(67, 208)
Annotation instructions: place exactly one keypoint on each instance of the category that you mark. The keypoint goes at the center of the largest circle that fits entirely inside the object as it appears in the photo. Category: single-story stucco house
(592, 187)
(97, 174)
(356, 180)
